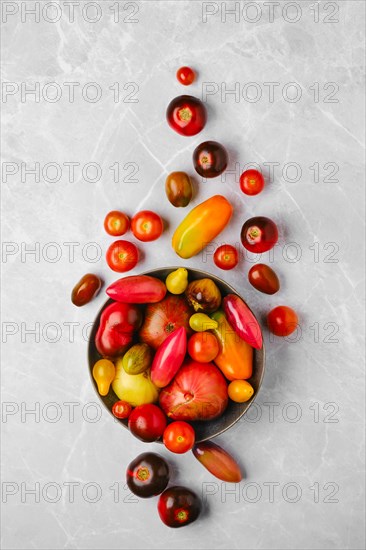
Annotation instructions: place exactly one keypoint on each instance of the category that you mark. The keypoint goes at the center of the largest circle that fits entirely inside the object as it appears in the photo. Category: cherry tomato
(85, 290)
(251, 182)
(186, 115)
(282, 320)
(264, 279)
(116, 223)
(259, 234)
(203, 347)
(178, 506)
(210, 159)
(147, 475)
(121, 409)
(122, 256)
(226, 257)
(147, 422)
(147, 226)
(185, 75)
(240, 391)
(178, 188)
(179, 437)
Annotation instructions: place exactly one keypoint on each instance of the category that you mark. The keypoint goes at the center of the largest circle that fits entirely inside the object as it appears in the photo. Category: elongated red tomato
(218, 462)
(169, 358)
(137, 289)
(242, 320)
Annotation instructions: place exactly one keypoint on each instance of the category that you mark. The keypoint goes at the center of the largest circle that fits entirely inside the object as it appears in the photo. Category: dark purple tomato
(259, 234)
(178, 506)
(210, 159)
(147, 475)
(186, 115)
(264, 279)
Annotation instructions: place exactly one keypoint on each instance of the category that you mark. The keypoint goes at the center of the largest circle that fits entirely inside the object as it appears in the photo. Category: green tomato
(137, 359)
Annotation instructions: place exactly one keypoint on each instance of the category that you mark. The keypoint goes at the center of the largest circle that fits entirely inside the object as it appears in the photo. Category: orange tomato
(240, 391)
(203, 347)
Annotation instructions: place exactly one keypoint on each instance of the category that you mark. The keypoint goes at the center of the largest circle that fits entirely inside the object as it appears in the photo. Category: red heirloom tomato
(121, 409)
(122, 256)
(264, 279)
(282, 320)
(178, 506)
(85, 290)
(116, 223)
(185, 75)
(147, 422)
(179, 437)
(226, 257)
(203, 347)
(186, 115)
(251, 182)
(259, 234)
(147, 226)
(210, 159)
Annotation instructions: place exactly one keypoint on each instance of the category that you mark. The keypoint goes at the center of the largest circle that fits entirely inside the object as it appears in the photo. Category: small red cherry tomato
(116, 223)
(122, 256)
(226, 257)
(185, 75)
(282, 321)
(264, 279)
(251, 182)
(147, 422)
(259, 234)
(121, 409)
(203, 347)
(179, 437)
(147, 226)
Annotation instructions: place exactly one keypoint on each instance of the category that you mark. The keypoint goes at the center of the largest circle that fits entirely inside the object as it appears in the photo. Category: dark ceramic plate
(234, 411)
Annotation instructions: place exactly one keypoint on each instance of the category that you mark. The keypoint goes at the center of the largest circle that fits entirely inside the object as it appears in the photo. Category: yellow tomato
(103, 373)
(240, 391)
(200, 322)
(177, 281)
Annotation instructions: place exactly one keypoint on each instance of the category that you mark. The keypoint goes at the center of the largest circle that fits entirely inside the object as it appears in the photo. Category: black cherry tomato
(186, 115)
(178, 506)
(210, 159)
(259, 234)
(147, 475)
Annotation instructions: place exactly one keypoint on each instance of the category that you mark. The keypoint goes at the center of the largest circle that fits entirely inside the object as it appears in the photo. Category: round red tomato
(259, 234)
(122, 256)
(210, 159)
(179, 437)
(185, 75)
(251, 182)
(282, 320)
(264, 279)
(186, 115)
(226, 257)
(147, 226)
(203, 347)
(147, 422)
(116, 223)
(121, 409)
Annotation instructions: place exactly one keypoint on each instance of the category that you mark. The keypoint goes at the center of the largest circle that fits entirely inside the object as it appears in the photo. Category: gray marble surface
(103, 76)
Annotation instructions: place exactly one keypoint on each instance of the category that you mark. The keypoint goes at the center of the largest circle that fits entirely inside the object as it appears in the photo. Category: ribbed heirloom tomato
(179, 437)
(147, 226)
(122, 256)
